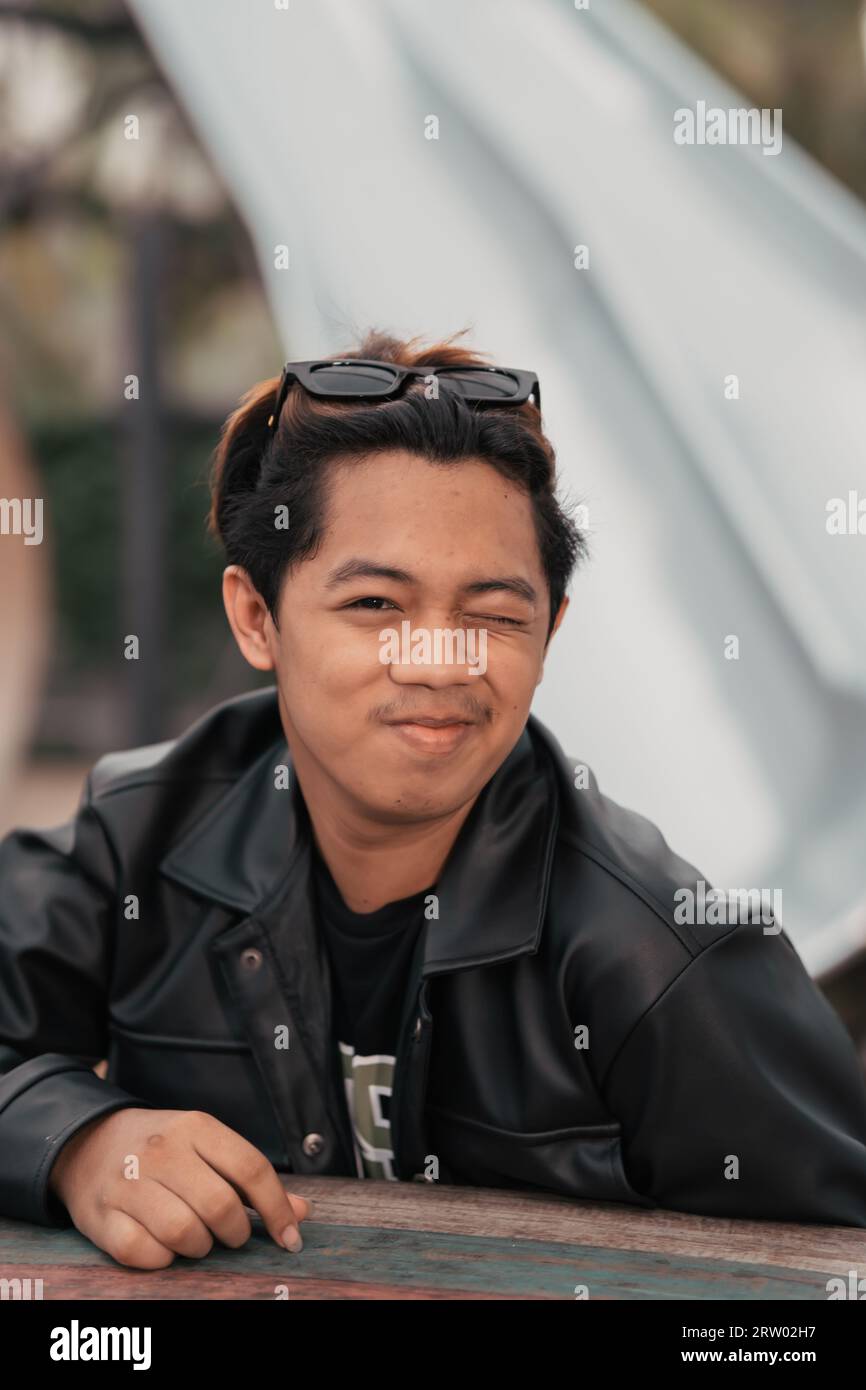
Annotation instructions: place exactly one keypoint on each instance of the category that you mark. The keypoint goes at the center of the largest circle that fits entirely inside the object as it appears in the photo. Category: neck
(374, 863)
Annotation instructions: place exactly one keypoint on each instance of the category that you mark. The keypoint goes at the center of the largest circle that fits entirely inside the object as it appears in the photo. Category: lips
(430, 723)
(428, 735)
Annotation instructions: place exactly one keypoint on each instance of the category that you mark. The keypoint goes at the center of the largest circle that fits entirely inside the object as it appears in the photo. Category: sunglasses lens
(349, 378)
(343, 378)
(492, 386)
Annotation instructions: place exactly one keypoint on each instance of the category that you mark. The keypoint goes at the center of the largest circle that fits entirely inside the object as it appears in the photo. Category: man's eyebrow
(367, 569)
(370, 569)
(508, 583)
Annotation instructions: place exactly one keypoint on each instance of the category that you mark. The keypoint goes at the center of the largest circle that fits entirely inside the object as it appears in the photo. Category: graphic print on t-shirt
(368, 1082)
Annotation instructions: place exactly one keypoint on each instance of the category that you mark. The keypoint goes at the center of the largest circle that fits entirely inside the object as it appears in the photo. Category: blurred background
(193, 192)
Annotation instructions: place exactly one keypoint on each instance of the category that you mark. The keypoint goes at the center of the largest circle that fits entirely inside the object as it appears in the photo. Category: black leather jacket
(170, 928)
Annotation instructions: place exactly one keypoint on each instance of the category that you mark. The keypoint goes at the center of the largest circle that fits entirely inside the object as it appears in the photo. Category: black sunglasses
(359, 378)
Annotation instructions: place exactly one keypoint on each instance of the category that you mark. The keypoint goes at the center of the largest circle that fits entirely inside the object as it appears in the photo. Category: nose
(436, 657)
(434, 677)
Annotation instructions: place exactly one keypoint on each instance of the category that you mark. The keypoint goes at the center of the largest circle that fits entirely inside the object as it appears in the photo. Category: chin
(401, 802)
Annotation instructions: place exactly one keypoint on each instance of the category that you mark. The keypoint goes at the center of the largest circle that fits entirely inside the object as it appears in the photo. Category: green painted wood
(411, 1261)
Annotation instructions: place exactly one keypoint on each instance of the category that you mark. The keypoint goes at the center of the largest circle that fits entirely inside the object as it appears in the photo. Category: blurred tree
(120, 256)
(805, 56)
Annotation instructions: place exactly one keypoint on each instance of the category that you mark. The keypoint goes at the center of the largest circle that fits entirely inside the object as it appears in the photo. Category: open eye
(360, 604)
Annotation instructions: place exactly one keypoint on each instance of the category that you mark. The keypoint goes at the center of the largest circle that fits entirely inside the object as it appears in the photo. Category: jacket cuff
(43, 1103)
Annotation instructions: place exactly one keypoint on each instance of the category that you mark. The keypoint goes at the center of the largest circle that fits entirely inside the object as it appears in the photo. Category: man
(373, 920)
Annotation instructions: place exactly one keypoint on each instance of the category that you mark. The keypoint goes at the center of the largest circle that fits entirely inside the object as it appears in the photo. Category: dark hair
(255, 470)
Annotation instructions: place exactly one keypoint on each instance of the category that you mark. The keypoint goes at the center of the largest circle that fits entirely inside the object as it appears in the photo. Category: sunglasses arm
(286, 380)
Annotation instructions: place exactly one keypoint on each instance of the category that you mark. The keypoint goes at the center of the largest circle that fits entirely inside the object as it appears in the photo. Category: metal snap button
(313, 1144)
(251, 958)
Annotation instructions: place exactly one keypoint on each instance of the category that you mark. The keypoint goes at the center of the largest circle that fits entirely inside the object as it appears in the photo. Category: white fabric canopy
(707, 515)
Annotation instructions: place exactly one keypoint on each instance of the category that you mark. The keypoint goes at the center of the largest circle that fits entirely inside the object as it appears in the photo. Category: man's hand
(193, 1177)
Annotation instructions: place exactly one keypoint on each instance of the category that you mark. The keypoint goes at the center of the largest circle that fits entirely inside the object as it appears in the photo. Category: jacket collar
(254, 842)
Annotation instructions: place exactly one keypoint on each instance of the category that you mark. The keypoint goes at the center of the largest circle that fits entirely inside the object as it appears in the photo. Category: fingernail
(291, 1239)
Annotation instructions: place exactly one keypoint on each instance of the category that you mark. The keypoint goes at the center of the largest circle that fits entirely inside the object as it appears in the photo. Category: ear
(558, 619)
(249, 619)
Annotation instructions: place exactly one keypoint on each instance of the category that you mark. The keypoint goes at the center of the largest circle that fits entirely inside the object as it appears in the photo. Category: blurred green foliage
(81, 467)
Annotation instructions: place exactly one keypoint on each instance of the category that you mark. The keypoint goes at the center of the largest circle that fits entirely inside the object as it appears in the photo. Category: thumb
(301, 1207)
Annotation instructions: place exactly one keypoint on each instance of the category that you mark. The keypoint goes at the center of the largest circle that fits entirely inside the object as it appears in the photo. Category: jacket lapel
(493, 890)
(248, 840)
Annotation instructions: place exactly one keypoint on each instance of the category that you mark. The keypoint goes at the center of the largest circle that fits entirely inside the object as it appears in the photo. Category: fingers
(169, 1218)
(213, 1200)
(243, 1165)
(127, 1241)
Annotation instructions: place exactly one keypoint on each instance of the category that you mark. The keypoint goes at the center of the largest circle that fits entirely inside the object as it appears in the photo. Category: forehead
(430, 511)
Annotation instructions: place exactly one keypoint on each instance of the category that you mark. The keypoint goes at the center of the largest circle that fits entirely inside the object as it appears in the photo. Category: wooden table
(375, 1240)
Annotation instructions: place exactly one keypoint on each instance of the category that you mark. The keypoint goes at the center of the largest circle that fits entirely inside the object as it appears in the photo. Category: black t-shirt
(370, 954)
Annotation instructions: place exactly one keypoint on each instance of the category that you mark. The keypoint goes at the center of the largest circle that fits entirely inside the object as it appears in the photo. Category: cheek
(512, 668)
(320, 669)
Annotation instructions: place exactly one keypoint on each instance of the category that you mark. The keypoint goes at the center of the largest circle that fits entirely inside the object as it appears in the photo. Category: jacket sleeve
(740, 1092)
(57, 909)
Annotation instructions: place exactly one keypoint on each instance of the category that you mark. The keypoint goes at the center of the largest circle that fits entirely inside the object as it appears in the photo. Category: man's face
(444, 532)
